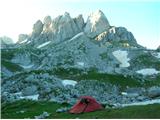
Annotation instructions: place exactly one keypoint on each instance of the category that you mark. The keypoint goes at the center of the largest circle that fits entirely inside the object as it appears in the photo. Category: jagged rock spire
(96, 24)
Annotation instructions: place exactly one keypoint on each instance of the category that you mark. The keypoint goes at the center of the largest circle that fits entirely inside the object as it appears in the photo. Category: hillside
(65, 58)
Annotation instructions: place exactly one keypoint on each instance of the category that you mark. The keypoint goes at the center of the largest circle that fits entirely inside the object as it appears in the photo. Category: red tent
(85, 104)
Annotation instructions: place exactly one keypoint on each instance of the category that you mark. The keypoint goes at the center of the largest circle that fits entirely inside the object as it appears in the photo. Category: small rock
(63, 109)
(42, 116)
(154, 92)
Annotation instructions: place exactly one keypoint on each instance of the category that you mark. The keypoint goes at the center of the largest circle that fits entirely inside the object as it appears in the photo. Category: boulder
(42, 116)
(63, 109)
(96, 24)
(134, 92)
(30, 90)
(154, 92)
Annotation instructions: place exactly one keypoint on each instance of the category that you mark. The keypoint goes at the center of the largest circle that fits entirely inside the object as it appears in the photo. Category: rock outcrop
(6, 42)
(22, 37)
(96, 24)
(37, 28)
(64, 27)
(47, 24)
(79, 22)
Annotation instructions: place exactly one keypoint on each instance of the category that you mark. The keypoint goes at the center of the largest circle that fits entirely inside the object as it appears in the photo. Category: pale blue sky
(142, 18)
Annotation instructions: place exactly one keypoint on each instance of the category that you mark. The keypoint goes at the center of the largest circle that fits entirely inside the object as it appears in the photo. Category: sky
(141, 17)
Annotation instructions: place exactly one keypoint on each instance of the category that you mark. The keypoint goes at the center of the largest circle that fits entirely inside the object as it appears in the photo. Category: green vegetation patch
(35, 108)
(11, 66)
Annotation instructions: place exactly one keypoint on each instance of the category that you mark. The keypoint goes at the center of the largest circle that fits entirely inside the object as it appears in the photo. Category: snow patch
(69, 82)
(148, 71)
(142, 103)
(124, 93)
(44, 44)
(157, 55)
(23, 41)
(121, 56)
(26, 66)
(30, 97)
(28, 42)
(76, 36)
(80, 63)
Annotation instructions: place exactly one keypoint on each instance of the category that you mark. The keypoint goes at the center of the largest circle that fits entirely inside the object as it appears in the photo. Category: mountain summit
(63, 28)
(96, 24)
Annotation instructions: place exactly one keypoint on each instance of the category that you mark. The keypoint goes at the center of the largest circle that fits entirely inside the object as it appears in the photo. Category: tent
(85, 104)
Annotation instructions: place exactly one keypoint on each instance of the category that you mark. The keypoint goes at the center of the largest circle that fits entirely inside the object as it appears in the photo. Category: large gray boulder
(96, 24)
(30, 90)
(154, 92)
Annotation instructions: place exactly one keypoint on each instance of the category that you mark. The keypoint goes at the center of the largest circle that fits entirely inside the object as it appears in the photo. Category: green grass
(8, 54)
(33, 108)
(11, 66)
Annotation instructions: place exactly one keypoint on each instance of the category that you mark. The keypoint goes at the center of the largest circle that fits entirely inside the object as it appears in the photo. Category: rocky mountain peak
(96, 24)
(37, 27)
(47, 23)
(79, 22)
(64, 27)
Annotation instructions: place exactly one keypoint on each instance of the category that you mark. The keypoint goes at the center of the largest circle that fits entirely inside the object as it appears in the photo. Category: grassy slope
(32, 109)
(11, 66)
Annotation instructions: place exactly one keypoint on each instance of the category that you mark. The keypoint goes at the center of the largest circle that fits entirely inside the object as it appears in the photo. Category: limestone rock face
(47, 23)
(22, 37)
(158, 49)
(64, 27)
(5, 42)
(96, 24)
(116, 34)
(79, 22)
(37, 27)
